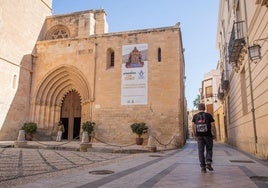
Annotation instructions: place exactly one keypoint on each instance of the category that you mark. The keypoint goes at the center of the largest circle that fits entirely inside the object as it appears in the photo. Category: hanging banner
(134, 81)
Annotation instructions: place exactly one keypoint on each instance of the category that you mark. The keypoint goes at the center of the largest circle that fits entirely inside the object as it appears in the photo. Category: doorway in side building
(71, 115)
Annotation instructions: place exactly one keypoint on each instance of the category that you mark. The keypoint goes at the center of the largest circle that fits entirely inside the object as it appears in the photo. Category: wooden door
(71, 109)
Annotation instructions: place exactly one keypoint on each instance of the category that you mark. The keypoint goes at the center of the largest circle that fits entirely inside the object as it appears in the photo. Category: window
(238, 12)
(57, 32)
(209, 92)
(159, 55)
(110, 58)
(228, 5)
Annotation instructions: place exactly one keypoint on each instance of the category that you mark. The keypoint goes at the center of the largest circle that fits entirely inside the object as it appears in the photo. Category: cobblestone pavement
(36, 168)
(23, 162)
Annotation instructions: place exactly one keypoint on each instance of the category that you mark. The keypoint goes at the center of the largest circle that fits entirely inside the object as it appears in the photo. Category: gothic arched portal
(63, 94)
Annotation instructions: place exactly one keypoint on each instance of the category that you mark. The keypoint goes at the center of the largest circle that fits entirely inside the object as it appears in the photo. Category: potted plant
(88, 127)
(139, 129)
(29, 128)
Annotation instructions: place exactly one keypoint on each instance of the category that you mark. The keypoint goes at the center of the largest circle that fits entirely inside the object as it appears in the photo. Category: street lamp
(254, 52)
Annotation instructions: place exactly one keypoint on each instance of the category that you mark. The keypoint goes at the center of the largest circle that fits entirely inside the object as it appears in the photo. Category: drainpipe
(94, 81)
(33, 56)
(250, 85)
(252, 106)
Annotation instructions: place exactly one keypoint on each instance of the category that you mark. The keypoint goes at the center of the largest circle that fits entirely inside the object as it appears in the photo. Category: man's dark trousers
(205, 142)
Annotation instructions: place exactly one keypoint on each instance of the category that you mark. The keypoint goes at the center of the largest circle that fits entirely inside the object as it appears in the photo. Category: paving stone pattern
(37, 168)
(18, 162)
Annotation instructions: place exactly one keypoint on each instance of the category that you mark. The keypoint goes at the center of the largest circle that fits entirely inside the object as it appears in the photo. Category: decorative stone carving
(57, 32)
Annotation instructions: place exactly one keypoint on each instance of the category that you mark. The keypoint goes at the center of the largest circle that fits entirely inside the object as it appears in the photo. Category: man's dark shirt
(209, 119)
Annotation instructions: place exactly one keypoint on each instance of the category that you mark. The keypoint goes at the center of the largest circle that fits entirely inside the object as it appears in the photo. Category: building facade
(211, 97)
(82, 72)
(20, 26)
(242, 24)
(209, 90)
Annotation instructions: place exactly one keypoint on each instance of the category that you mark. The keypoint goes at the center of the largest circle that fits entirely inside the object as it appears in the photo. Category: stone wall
(246, 102)
(78, 24)
(20, 25)
(102, 96)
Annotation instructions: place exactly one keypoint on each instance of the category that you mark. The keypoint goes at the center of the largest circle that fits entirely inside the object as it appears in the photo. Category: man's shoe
(203, 170)
(209, 167)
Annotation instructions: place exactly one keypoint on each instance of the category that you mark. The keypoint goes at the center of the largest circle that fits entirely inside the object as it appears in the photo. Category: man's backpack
(201, 125)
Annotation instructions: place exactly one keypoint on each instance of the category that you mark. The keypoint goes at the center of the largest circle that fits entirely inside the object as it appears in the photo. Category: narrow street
(172, 168)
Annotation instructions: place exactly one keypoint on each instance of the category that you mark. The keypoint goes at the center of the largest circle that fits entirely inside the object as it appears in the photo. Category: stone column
(151, 143)
(20, 142)
(85, 144)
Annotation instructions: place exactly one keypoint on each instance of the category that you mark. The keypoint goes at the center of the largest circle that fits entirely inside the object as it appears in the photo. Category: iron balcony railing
(237, 41)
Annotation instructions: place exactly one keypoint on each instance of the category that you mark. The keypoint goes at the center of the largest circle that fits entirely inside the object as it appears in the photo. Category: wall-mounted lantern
(254, 52)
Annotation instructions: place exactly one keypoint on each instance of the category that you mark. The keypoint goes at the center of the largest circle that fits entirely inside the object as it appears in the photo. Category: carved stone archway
(46, 105)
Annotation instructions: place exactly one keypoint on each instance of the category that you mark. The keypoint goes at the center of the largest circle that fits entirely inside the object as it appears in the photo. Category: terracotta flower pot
(139, 141)
(28, 136)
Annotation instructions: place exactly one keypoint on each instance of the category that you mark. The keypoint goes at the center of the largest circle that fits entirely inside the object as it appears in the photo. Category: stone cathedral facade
(78, 71)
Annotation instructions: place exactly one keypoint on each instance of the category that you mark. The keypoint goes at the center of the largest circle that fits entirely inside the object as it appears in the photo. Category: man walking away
(203, 128)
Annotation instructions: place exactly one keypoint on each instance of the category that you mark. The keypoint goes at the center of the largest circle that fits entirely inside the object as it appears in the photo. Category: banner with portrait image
(134, 80)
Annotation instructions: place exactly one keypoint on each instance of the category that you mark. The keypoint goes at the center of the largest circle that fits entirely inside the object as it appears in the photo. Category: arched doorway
(71, 115)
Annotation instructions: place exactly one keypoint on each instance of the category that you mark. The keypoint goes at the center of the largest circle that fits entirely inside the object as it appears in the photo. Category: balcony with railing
(237, 43)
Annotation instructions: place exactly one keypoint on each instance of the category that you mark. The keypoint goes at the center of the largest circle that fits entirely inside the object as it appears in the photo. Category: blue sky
(198, 20)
